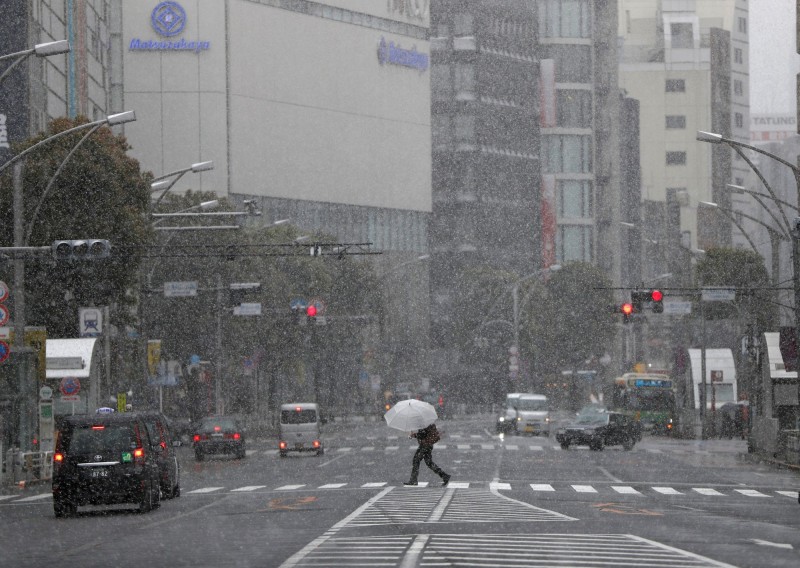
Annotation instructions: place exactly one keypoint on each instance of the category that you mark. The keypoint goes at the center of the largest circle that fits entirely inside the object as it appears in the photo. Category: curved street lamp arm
(737, 189)
(14, 64)
(32, 220)
(732, 217)
(771, 214)
(50, 139)
(735, 145)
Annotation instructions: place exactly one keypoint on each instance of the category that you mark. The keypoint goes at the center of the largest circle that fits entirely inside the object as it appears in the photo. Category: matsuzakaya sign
(168, 19)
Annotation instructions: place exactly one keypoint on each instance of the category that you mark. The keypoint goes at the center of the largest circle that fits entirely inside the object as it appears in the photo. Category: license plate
(216, 435)
(529, 428)
(299, 445)
(95, 473)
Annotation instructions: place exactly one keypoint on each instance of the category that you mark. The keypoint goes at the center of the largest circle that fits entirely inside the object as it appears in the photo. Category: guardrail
(26, 467)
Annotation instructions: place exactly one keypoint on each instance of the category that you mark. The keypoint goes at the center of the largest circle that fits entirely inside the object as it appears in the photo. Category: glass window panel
(462, 24)
(682, 35)
(441, 83)
(464, 127)
(465, 77)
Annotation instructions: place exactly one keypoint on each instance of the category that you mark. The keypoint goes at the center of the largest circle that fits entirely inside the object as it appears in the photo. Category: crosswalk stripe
(458, 485)
(367, 448)
(2, 497)
(751, 493)
(625, 489)
(512, 447)
(35, 498)
(332, 486)
(542, 487)
(206, 489)
(537, 448)
(584, 489)
(249, 488)
(498, 486)
(788, 493)
(557, 448)
(289, 487)
(392, 448)
(442, 446)
(271, 452)
(475, 436)
(706, 491)
(463, 446)
(420, 484)
(667, 491)
(374, 484)
(345, 449)
(487, 446)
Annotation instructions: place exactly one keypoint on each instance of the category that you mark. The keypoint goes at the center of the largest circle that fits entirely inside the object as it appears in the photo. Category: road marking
(340, 456)
(542, 487)
(667, 491)
(392, 448)
(608, 475)
(788, 493)
(487, 446)
(441, 447)
(774, 544)
(706, 491)
(653, 451)
(498, 485)
(414, 553)
(344, 449)
(293, 505)
(475, 436)
(458, 485)
(289, 487)
(367, 448)
(34, 498)
(751, 493)
(623, 509)
(557, 448)
(332, 486)
(462, 446)
(420, 484)
(625, 489)
(436, 514)
(512, 447)
(537, 448)
(584, 489)
(374, 484)
(2, 497)
(248, 488)
(206, 489)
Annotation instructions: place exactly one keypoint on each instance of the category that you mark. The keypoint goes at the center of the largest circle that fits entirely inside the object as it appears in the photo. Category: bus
(650, 399)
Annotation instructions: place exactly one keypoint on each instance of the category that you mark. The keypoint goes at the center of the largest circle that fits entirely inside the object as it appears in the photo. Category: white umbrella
(409, 415)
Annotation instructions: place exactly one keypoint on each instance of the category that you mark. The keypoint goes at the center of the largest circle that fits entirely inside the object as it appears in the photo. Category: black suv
(105, 459)
(600, 429)
(160, 430)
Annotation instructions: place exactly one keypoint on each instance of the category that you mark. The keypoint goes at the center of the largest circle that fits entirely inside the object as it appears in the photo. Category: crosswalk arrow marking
(774, 544)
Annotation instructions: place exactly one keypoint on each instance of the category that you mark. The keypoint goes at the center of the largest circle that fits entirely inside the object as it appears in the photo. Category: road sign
(4, 315)
(676, 308)
(716, 376)
(718, 294)
(3, 291)
(70, 386)
(319, 304)
(91, 322)
(180, 289)
(298, 303)
(45, 393)
(4, 351)
(253, 309)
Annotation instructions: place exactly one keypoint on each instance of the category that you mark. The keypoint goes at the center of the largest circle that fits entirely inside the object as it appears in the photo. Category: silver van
(300, 429)
(525, 413)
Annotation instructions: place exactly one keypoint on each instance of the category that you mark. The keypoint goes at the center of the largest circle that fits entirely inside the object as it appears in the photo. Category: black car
(104, 459)
(600, 429)
(160, 429)
(218, 435)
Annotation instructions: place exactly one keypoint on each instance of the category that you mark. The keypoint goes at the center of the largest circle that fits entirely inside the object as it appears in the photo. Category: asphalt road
(518, 501)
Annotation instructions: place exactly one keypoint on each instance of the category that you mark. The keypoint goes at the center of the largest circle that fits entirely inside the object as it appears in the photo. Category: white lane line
(478, 436)
(271, 453)
(374, 484)
(248, 488)
(666, 491)
(413, 555)
(787, 493)
(751, 493)
(584, 489)
(625, 489)
(367, 448)
(707, 491)
(653, 451)
(463, 446)
(289, 487)
(512, 447)
(487, 446)
(392, 448)
(420, 484)
(331, 486)
(3, 497)
(441, 447)
(34, 498)
(458, 485)
(414, 447)
(542, 487)
(206, 489)
(344, 449)
(557, 448)
(497, 485)
(436, 514)
(537, 448)
(249, 452)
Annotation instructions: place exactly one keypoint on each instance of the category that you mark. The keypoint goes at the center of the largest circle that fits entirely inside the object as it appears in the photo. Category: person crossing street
(426, 438)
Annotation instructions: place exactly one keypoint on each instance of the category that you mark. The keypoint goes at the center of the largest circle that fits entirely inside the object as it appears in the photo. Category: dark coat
(427, 436)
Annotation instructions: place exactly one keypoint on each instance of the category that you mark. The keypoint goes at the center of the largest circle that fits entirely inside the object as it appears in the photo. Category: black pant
(425, 453)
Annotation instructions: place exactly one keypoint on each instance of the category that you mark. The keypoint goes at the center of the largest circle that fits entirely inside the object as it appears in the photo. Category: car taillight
(138, 456)
(387, 406)
(669, 426)
(234, 436)
(282, 445)
(316, 443)
(58, 458)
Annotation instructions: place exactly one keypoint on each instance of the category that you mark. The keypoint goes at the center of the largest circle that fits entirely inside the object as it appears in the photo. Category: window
(676, 158)
(682, 36)
(573, 63)
(738, 57)
(574, 200)
(676, 121)
(462, 25)
(567, 154)
(441, 131)
(464, 128)
(738, 87)
(564, 18)
(743, 25)
(574, 242)
(465, 77)
(441, 84)
(738, 119)
(574, 109)
(676, 86)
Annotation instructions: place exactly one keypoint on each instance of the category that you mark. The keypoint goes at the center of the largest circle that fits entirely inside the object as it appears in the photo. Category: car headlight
(547, 419)
(519, 419)
(501, 419)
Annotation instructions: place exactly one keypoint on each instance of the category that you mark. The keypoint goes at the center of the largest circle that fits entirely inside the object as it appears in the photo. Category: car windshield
(217, 424)
(298, 417)
(101, 438)
(531, 404)
(592, 419)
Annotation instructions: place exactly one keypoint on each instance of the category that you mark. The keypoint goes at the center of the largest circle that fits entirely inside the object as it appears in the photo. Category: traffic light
(81, 249)
(627, 310)
(657, 301)
(311, 311)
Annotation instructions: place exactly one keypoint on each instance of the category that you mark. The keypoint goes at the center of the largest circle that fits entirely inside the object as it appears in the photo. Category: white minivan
(525, 414)
(300, 429)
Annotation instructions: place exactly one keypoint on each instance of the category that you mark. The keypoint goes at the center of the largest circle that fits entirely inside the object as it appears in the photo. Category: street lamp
(164, 184)
(39, 50)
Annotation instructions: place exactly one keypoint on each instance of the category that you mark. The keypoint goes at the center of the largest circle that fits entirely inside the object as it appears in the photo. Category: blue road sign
(298, 303)
(4, 351)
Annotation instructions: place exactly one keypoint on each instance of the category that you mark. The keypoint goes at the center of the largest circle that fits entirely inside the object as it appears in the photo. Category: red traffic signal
(656, 301)
(656, 295)
(626, 309)
(311, 311)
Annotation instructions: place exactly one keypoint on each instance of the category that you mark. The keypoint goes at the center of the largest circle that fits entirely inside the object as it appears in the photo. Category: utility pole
(218, 371)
